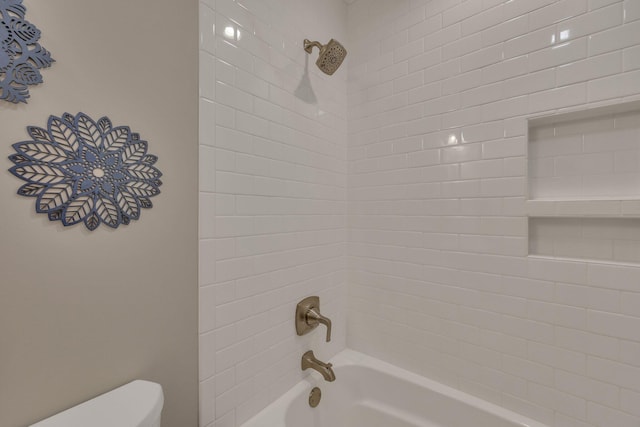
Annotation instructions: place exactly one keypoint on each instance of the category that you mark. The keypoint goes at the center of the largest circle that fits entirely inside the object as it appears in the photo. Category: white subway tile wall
(439, 278)
(273, 198)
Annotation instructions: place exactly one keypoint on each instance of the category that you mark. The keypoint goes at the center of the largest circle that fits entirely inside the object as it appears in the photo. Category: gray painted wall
(80, 312)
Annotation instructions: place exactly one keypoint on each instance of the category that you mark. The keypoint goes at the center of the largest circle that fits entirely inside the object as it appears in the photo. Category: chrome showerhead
(331, 55)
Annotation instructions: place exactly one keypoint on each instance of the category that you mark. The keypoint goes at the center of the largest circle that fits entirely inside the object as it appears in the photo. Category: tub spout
(310, 361)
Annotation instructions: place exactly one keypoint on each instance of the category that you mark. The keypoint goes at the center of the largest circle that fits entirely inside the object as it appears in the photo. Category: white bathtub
(371, 393)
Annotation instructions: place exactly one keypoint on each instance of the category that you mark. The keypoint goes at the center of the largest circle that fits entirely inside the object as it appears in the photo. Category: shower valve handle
(313, 318)
(308, 317)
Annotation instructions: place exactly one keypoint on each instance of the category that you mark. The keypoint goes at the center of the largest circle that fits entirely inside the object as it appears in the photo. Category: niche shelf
(614, 208)
(584, 184)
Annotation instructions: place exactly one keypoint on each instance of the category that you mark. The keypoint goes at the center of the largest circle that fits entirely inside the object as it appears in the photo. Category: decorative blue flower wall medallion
(21, 56)
(81, 170)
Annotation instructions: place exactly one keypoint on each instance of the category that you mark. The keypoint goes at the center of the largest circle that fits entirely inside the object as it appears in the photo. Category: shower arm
(308, 45)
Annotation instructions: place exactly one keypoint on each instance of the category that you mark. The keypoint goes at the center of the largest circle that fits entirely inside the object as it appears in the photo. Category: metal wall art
(21, 56)
(81, 170)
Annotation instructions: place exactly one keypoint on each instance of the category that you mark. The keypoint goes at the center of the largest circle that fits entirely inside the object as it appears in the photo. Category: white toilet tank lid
(137, 404)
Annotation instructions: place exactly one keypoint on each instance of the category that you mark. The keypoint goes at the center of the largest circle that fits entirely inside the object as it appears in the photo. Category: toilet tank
(137, 404)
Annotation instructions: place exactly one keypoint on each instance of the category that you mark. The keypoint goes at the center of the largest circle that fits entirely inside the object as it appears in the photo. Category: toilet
(137, 404)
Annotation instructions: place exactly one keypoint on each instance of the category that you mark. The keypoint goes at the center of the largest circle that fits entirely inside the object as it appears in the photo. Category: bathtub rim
(275, 413)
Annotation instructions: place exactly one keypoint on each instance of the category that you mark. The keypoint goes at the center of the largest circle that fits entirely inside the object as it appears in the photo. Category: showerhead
(331, 55)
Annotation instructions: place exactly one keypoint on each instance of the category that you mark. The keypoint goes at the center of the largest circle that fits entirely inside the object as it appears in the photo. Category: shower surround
(439, 277)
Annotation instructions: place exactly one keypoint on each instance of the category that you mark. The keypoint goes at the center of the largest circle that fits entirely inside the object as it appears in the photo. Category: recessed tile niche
(584, 184)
